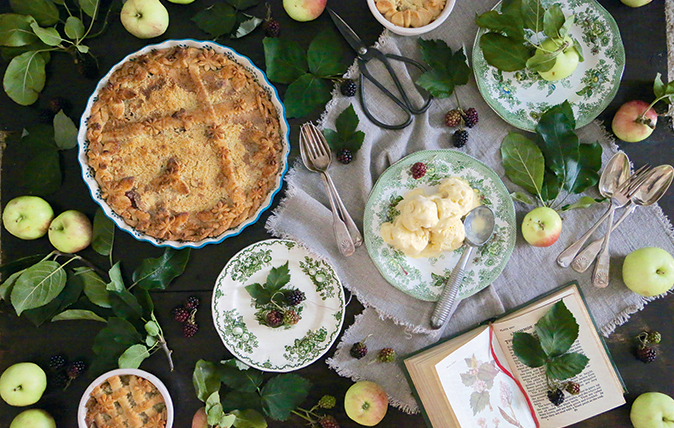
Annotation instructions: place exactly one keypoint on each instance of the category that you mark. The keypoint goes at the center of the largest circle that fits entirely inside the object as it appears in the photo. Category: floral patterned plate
(278, 349)
(423, 278)
(521, 97)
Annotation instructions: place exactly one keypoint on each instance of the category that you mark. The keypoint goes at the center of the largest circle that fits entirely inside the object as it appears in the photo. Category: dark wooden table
(643, 32)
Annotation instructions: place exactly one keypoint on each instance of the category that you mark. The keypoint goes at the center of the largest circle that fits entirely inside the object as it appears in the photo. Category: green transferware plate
(278, 349)
(520, 97)
(423, 278)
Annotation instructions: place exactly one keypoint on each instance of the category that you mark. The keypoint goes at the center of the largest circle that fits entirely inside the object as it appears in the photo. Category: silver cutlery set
(624, 189)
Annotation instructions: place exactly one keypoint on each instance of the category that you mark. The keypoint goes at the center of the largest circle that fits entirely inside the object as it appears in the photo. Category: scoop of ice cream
(411, 243)
(417, 211)
(458, 191)
(447, 208)
(447, 235)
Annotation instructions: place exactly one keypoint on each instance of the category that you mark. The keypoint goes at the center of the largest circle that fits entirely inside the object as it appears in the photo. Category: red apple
(200, 420)
(304, 10)
(541, 227)
(366, 403)
(634, 121)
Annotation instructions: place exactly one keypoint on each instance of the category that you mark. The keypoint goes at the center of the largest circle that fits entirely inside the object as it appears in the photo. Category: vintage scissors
(365, 55)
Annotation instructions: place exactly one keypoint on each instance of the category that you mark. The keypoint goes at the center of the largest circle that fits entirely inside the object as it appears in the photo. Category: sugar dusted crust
(184, 143)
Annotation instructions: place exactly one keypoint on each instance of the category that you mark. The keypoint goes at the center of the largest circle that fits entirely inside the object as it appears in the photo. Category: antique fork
(319, 158)
(342, 236)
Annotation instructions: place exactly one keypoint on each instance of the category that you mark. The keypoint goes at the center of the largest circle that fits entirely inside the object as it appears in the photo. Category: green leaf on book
(528, 349)
(557, 330)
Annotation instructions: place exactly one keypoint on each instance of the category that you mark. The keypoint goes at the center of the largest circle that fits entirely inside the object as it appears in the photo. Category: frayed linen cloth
(394, 319)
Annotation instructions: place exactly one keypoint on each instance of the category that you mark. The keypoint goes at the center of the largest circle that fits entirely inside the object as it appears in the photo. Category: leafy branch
(346, 136)
(556, 161)
(663, 92)
(228, 18)
(447, 69)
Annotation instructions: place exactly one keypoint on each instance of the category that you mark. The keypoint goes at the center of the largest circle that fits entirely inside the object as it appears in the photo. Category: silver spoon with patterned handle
(647, 194)
(479, 224)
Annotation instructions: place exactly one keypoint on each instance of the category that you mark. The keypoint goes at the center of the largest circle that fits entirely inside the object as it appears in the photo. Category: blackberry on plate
(274, 318)
(57, 362)
(190, 328)
(418, 170)
(646, 354)
(295, 297)
(572, 388)
(453, 118)
(348, 88)
(192, 302)
(470, 117)
(180, 313)
(75, 369)
(556, 397)
(386, 355)
(460, 138)
(290, 317)
(358, 350)
(328, 421)
(344, 156)
(327, 402)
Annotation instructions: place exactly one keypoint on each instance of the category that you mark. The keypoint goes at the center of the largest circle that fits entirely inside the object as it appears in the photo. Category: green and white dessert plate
(521, 97)
(278, 349)
(424, 278)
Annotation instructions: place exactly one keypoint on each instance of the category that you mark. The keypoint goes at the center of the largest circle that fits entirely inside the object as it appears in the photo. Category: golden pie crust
(184, 143)
(410, 13)
(126, 401)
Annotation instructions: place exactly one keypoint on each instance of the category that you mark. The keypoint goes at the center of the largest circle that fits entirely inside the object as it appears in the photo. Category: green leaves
(37, 286)
(227, 18)
(306, 73)
(503, 52)
(282, 394)
(25, 77)
(346, 136)
(277, 279)
(156, 274)
(65, 131)
(206, 379)
(556, 331)
(103, 236)
(448, 69)
(44, 11)
(15, 30)
(523, 162)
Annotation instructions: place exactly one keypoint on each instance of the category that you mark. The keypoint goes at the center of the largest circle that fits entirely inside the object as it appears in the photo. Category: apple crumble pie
(410, 13)
(184, 143)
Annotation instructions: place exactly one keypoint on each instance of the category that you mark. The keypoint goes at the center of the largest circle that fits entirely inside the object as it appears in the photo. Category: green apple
(304, 10)
(181, 1)
(27, 217)
(541, 227)
(634, 121)
(366, 403)
(653, 410)
(565, 63)
(33, 418)
(22, 384)
(144, 18)
(635, 3)
(70, 231)
(649, 271)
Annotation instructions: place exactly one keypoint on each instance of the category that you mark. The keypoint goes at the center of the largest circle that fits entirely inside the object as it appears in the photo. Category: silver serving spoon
(479, 224)
(614, 175)
(648, 193)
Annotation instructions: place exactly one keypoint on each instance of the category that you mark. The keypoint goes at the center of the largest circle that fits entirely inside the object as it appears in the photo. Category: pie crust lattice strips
(184, 143)
(126, 401)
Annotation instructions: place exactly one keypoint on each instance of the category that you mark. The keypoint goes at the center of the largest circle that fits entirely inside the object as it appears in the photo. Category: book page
(480, 394)
(600, 389)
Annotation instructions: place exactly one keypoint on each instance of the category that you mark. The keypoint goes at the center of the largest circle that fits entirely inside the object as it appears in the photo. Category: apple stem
(641, 117)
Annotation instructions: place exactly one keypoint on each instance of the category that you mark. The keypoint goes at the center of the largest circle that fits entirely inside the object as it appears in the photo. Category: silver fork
(320, 158)
(619, 199)
(342, 236)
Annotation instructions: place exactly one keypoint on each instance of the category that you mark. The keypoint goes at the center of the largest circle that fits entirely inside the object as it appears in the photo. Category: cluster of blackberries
(186, 315)
(556, 395)
(418, 170)
(64, 372)
(645, 351)
(460, 118)
(359, 350)
(285, 315)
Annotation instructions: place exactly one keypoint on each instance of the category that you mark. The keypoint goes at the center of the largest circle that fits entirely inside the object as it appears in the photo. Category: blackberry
(470, 117)
(453, 118)
(386, 355)
(295, 297)
(274, 318)
(57, 362)
(460, 138)
(654, 337)
(192, 302)
(646, 354)
(572, 388)
(327, 402)
(290, 317)
(272, 28)
(190, 328)
(180, 313)
(556, 397)
(344, 156)
(348, 88)
(358, 350)
(57, 104)
(328, 421)
(418, 170)
(75, 369)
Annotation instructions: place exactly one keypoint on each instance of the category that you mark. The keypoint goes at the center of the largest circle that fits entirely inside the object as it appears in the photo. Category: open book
(468, 381)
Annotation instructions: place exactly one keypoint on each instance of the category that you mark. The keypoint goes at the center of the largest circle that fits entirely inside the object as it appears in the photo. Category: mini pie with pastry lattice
(184, 143)
(126, 401)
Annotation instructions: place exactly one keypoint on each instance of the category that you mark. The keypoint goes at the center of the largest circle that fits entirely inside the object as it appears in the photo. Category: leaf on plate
(93, 285)
(324, 55)
(249, 418)
(15, 30)
(543, 61)
(103, 236)
(133, 356)
(523, 162)
(206, 379)
(285, 60)
(553, 20)
(44, 11)
(305, 95)
(282, 394)
(217, 20)
(528, 349)
(566, 366)
(38, 285)
(579, 49)
(504, 53)
(65, 131)
(448, 69)
(25, 77)
(532, 15)
(510, 25)
(557, 330)
(77, 315)
(74, 28)
(247, 23)
(259, 293)
(278, 277)
(157, 274)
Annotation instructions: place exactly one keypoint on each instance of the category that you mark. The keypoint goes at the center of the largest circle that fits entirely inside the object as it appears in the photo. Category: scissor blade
(350, 35)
